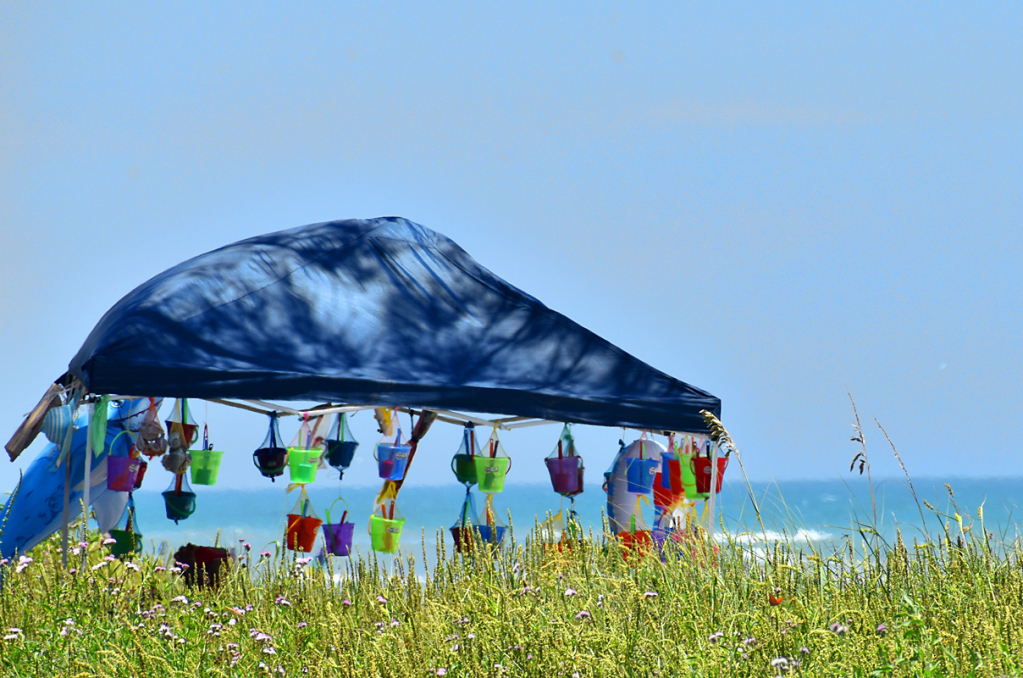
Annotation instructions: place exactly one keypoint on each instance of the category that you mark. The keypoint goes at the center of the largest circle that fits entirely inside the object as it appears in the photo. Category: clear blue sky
(773, 203)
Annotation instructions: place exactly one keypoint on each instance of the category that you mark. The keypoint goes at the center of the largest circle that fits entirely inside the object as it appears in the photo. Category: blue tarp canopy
(377, 312)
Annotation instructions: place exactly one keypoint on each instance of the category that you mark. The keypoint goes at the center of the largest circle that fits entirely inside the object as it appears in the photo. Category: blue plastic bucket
(640, 474)
(487, 533)
(392, 460)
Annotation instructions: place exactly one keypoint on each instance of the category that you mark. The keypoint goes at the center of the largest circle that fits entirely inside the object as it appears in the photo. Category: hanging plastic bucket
(143, 465)
(179, 506)
(671, 472)
(302, 464)
(301, 532)
(270, 461)
(635, 545)
(125, 542)
(391, 461)
(464, 537)
(490, 473)
(385, 533)
(491, 535)
(338, 536)
(640, 474)
(666, 540)
(340, 453)
(566, 474)
(121, 473)
(688, 476)
(205, 466)
(702, 470)
(663, 497)
(464, 466)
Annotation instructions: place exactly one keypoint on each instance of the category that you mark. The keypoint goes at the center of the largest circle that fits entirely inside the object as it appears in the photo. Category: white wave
(801, 535)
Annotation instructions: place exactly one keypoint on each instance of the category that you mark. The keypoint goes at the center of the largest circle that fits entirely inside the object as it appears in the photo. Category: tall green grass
(950, 606)
(946, 604)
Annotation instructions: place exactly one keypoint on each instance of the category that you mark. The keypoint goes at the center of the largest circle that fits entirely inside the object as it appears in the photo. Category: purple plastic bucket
(662, 538)
(339, 538)
(121, 473)
(640, 474)
(565, 474)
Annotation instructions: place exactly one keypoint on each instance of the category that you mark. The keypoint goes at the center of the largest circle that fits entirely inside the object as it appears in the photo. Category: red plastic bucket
(301, 532)
(143, 465)
(702, 469)
(664, 497)
(464, 538)
(635, 545)
(121, 473)
(671, 472)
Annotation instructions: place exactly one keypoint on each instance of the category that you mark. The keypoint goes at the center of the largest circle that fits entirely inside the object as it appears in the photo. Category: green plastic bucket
(205, 466)
(179, 506)
(302, 464)
(385, 533)
(464, 466)
(125, 542)
(689, 477)
(490, 473)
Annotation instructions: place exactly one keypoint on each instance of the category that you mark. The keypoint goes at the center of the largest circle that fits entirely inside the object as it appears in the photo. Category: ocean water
(817, 513)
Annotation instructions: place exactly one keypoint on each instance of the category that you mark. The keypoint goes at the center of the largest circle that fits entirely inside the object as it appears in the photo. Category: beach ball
(56, 423)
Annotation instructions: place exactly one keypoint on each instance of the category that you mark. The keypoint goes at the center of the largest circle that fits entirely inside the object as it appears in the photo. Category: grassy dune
(950, 607)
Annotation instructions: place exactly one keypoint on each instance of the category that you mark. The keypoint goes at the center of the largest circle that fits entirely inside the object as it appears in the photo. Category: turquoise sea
(817, 513)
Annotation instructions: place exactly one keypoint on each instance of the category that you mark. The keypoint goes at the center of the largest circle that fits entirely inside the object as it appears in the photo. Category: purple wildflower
(583, 614)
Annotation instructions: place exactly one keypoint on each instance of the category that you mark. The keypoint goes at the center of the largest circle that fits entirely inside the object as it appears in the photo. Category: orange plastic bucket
(301, 532)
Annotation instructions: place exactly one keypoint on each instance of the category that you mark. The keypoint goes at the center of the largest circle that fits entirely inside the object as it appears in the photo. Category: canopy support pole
(713, 493)
(87, 479)
(67, 507)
